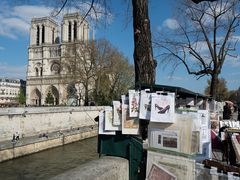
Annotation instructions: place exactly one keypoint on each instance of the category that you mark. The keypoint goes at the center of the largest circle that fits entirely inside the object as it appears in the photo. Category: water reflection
(49, 163)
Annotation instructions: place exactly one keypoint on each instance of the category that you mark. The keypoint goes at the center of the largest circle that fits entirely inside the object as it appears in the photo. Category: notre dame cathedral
(45, 56)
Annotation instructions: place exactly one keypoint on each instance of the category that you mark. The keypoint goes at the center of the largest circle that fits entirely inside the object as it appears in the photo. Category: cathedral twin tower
(45, 56)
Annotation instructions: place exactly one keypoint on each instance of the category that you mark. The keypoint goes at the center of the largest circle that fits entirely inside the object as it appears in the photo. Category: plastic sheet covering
(183, 126)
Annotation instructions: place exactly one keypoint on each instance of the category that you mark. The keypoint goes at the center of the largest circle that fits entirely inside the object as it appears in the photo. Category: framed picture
(171, 166)
(101, 125)
(109, 126)
(163, 108)
(145, 105)
(117, 113)
(158, 172)
(164, 139)
(133, 103)
(130, 125)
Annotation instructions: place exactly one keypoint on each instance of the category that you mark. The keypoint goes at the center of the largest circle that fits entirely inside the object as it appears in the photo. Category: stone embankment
(105, 168)
(42, 128)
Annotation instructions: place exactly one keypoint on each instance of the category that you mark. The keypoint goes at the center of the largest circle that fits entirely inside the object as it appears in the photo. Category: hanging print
(145, 105)
(109, 120)
(163, 107)
(133, 103)
(101, 124)
(117, 113)
(130, 125)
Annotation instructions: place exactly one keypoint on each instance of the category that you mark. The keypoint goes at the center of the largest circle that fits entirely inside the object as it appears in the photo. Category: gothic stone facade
(45, 73)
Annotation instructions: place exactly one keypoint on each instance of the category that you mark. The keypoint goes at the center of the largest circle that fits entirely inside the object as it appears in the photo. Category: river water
(49, 163)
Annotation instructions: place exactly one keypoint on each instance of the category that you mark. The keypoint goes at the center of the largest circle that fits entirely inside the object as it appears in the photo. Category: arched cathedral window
(69, 31)
(36, 72)
(75, 31)
(43, 34)
(41, 71)
(38, 34)
(53, 36)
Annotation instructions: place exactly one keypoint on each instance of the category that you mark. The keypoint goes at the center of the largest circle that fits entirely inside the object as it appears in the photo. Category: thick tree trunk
(86, 101)
(213, 87)
(145, 65)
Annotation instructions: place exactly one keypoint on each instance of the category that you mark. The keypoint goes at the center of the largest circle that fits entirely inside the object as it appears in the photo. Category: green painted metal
(125, 146)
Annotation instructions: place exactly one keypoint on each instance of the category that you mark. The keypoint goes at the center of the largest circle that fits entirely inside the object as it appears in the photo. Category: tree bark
(145, 65)
(213, 87)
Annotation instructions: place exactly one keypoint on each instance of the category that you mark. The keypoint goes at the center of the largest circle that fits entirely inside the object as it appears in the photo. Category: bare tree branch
(204, 38)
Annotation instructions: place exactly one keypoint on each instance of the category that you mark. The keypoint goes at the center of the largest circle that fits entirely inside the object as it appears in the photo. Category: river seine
(49, 163)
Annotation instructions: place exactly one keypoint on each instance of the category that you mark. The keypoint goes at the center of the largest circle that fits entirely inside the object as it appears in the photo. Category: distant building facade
(9, 90)
(45, 73)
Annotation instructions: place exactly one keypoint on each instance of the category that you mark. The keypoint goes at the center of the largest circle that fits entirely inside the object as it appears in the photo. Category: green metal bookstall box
(125, 146)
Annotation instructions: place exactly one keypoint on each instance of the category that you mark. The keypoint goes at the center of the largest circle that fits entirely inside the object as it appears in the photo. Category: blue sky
(14, 39)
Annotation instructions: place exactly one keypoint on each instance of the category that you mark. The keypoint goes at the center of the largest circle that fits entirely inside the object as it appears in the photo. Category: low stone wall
(105, 168)
(31, 121)
(31, 145)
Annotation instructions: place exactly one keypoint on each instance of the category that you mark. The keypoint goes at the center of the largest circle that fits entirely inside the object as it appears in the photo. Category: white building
(45, 73)
(9, 90)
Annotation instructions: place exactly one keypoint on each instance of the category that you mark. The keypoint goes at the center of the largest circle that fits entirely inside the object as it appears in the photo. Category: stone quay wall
(105, 168)
(33, 121)
(33, 144)
(41, 128)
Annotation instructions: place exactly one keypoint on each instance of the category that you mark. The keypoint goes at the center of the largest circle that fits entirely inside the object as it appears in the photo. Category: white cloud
(12, 71)
(27, 12)
(176, 78)
(15, 21)
(233, 62)
(232, 81)
(171, 24)
(13, 24)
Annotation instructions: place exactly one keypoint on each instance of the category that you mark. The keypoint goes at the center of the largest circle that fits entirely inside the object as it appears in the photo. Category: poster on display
(145, 105)
(205, 132)
(109, 126)
(130, 125)
(175, 167)
(164, 139)
(158, 172)
(133, 103)
(183, 126)
(163, 107)
(117, 113)
(101, 124)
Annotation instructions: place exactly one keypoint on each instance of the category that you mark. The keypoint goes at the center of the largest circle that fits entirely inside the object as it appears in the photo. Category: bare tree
(97, 69)
(204, 37)
(80, 66)
(114, 75)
